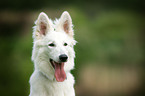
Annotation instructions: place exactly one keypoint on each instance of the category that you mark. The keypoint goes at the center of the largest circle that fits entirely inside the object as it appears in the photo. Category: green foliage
(111, 38)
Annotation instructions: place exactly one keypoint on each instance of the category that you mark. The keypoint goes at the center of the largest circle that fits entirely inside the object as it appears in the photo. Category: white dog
(53, 57)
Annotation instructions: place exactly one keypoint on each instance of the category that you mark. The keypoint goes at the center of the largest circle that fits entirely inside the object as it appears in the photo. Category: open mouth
(60, 74)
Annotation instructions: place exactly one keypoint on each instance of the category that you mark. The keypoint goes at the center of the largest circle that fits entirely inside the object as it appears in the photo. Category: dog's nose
(63, 58)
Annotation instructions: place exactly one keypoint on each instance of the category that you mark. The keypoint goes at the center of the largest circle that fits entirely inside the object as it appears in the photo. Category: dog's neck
(46, 77)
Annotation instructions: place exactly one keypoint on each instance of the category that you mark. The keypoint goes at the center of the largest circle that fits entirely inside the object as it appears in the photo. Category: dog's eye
(65, 44)
(51, 44)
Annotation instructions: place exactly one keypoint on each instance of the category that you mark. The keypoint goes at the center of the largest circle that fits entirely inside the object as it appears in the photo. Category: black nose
(63, 58)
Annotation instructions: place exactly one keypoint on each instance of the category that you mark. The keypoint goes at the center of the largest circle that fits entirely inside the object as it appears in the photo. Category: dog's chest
(57, 89)
(45, 87)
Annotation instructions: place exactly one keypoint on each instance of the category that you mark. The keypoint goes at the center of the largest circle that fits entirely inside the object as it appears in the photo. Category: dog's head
(53, 52)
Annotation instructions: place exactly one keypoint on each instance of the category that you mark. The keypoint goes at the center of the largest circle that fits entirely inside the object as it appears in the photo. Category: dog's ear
(66, 23)
(43, 26)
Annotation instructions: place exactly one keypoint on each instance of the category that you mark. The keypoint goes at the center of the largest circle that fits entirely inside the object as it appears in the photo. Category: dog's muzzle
(60, 74)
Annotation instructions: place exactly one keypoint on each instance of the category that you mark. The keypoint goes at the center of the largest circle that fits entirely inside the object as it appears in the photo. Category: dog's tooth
(53, 62)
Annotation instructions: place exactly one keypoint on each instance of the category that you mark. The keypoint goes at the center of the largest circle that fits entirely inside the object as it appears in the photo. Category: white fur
(42, 81)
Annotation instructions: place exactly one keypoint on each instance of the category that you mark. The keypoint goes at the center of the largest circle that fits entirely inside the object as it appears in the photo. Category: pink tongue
(59, 72)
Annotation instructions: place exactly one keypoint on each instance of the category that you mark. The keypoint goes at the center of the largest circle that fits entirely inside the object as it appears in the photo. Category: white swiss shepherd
(53, 57)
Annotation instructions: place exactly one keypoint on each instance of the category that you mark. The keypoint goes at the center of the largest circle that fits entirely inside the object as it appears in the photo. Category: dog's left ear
(43, 26)
(66, 23)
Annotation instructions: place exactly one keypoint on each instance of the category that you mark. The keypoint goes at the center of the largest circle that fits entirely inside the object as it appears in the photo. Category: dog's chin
(60, 74)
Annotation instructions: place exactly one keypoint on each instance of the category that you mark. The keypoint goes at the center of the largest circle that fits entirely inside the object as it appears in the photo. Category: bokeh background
(109, 54)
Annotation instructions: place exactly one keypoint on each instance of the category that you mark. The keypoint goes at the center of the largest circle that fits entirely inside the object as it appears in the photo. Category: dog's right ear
(43, 26)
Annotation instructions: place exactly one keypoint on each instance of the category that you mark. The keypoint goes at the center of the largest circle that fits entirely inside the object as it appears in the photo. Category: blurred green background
(109, 54)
